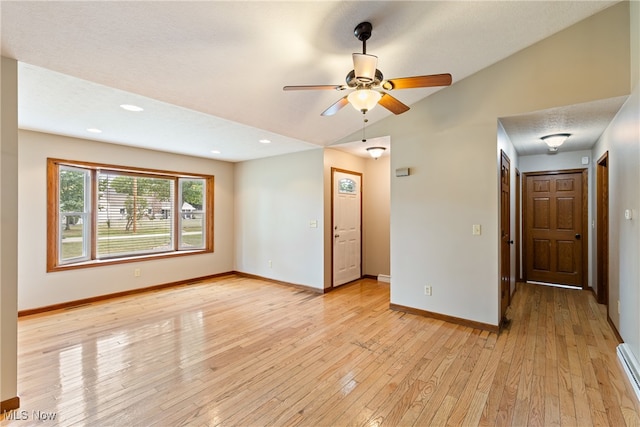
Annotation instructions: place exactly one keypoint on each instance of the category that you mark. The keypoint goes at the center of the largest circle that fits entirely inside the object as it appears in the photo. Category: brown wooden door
(505, 234)
(554, 234)
(602, 226)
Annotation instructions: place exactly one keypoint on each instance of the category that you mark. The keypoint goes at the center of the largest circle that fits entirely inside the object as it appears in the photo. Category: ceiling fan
(369, 85)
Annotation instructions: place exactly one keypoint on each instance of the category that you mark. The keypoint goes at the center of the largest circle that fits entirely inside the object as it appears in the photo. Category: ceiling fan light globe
(364, 99)
(364, 67)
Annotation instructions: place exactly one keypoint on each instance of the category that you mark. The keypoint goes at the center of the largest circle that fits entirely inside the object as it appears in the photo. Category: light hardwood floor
(238, 351)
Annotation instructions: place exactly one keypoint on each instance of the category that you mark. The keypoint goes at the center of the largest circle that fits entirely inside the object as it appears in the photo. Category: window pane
(347, 185)
(73, 213)
(134, 214)
(192, 215)
(113, 214)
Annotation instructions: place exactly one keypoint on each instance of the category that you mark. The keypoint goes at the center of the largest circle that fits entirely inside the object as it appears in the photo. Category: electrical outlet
(427, 290)
(476, 230)
(136, 272)
(270, 264)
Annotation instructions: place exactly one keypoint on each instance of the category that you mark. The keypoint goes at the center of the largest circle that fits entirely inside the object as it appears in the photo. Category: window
(346, 185)
(101, 214)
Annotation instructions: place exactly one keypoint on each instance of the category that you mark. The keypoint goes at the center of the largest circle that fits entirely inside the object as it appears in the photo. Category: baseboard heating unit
(631, 366)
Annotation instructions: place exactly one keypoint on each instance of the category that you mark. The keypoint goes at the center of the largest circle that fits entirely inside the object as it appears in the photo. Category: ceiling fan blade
(418, 81)
(314, 87)
(335, 107)
(392, 104)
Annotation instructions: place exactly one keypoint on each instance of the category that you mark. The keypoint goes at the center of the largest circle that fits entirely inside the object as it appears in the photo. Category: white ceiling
(584, 122)
(209, 74)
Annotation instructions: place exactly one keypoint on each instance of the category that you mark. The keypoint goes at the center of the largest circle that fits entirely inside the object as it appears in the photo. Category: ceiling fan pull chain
(364, 123)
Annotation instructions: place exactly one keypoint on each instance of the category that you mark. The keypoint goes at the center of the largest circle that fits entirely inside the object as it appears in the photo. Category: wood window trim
(53, 215)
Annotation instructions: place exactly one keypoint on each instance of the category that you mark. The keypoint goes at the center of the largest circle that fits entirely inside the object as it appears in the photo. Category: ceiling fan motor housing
(366, 80)
(354, 82)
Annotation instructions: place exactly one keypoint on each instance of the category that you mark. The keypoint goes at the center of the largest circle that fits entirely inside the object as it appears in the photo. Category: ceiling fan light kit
(364, 67)
(364, 99)
(368, 84)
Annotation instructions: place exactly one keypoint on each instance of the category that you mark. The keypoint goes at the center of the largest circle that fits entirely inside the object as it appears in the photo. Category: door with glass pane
(346, 226)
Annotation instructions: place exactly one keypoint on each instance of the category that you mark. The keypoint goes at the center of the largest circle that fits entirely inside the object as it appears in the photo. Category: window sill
(124, 260)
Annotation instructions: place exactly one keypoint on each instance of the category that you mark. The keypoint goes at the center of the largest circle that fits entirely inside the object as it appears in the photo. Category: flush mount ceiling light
(265, 141)
(215, 151)
(376, 152)
(364, 99)
(94, 130)
(130, 107)
(556, 140)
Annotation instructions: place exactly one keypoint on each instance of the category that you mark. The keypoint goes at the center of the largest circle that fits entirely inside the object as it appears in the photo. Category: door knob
(510, 242)
(578, 236)
(336, 235)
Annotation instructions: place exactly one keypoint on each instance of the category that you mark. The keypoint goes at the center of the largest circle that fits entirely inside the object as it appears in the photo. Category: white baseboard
(384, 278)
(631, 366)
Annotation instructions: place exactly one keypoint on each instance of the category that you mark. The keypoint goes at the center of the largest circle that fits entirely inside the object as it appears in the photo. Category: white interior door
(347, 236)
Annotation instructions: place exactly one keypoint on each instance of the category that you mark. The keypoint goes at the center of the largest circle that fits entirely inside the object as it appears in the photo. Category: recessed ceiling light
(265, 141)
(215, 151)
(94, 130)
(130, 107)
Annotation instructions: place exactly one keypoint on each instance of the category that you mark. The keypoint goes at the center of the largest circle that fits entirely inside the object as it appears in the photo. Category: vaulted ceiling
(209, 74)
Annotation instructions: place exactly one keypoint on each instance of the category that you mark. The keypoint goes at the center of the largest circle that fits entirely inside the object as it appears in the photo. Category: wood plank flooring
(243, 352)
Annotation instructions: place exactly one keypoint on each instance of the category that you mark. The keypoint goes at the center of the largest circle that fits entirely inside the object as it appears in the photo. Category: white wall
(449, 140)
(276, 199)
(37, 288)
(562, 160)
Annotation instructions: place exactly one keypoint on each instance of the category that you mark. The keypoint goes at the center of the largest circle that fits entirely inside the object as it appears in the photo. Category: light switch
(313, 224)
(627, 214)
(477, 230)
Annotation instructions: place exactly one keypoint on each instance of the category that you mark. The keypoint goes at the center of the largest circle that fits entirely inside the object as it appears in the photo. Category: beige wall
(376, 221)
(37, 288)
(276, 199)
(341, 160)
(449, 140)
(8, 228)
(375, 210)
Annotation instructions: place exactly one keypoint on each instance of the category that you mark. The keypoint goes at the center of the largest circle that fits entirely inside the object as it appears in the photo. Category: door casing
(505, 234)
(602, 229)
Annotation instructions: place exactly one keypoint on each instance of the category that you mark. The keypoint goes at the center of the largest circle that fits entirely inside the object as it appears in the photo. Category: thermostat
(402, 172)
